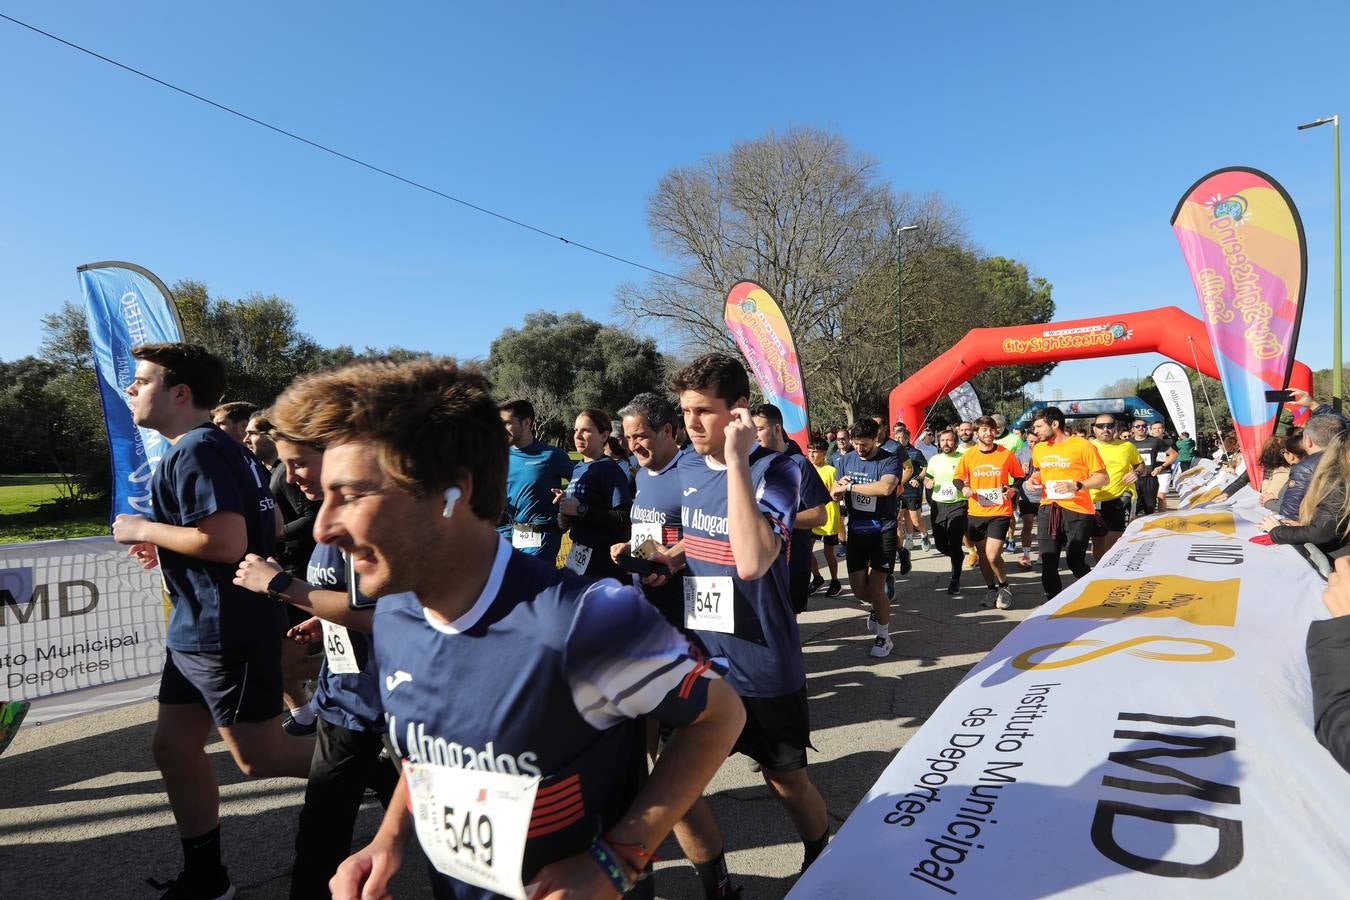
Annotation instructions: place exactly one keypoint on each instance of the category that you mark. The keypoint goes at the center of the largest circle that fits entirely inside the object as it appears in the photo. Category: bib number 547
(709, 604)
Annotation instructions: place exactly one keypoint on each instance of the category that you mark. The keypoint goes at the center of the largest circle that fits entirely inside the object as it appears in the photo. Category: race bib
(646, 531)
(337, 646)
(862, 502)
(1060, 490)
(472, 823)
(989, 497)
(523, 539)
(709, 604)
(945, 493)
(578, 558)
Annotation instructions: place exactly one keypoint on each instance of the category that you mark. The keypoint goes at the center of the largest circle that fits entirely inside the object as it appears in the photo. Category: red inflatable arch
(1166, 330)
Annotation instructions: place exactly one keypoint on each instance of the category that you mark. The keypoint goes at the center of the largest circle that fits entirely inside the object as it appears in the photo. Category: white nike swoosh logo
(688, 491)
(393, 681)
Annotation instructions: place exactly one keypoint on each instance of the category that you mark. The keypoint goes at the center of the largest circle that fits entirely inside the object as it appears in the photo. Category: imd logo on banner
(1195, 600)
(1221, 522)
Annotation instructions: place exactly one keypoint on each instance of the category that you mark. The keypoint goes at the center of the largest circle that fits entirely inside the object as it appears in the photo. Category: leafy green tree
(810, 219)
(564, 363)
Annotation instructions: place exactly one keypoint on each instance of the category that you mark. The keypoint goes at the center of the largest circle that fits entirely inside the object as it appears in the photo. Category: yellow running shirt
(1120, 457)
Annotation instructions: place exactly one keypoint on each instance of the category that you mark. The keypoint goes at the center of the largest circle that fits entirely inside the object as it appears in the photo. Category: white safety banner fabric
(82, 627)
(1147, 733)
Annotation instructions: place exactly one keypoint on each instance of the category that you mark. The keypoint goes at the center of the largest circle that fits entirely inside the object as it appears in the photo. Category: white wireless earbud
(452, 495)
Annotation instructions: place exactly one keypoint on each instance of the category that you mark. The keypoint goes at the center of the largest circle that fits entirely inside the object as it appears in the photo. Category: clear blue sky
(1066, 132)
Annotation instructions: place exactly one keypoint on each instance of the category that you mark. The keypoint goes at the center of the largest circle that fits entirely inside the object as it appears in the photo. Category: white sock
(303, 715)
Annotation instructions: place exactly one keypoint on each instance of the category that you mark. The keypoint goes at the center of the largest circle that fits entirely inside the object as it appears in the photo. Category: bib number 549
(470, 834)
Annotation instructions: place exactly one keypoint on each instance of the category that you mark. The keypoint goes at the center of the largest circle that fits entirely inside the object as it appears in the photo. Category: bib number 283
(709, 604)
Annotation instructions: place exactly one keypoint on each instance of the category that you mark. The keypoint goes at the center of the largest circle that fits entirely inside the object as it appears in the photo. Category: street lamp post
(1335, 256)
(899, 319)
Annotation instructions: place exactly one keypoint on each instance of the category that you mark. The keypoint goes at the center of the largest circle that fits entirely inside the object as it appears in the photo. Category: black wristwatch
(1079, 484)
(278, 584)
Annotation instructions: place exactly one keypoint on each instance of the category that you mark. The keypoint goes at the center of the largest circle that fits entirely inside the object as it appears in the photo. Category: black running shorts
(240, 684)
(777, 731)
(981, 528)
(871, 551)
(1113, 511)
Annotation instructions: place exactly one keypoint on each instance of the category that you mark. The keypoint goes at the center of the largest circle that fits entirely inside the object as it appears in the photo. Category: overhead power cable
(351, 159)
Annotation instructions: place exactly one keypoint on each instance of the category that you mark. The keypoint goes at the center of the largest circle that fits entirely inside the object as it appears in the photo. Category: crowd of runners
(535, 662)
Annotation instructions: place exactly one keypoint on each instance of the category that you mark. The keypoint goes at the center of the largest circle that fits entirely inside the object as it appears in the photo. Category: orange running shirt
(987, 474)
(1061, 464)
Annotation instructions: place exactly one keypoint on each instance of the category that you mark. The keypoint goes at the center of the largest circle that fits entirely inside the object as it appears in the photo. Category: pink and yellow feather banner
(1243, 242)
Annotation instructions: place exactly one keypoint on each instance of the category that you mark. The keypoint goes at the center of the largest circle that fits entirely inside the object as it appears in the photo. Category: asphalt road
(83, 813)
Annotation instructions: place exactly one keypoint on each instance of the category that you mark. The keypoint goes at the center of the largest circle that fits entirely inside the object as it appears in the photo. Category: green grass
(28, 511)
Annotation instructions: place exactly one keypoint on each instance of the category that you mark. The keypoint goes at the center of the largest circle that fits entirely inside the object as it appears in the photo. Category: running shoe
(882, 646)
(990, 598)
(1025, 561)
(906, 562)
(1004, 600)
(972, 560)
(924, 544)
(816, 582)
(181, 888)
(834, 588)
(841, 552)
(954, 586)
(295, 729)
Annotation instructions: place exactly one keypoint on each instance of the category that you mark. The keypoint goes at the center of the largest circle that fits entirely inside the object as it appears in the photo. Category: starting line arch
(1166, 330)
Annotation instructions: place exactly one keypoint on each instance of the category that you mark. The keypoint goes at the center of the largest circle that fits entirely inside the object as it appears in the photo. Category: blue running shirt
(204, 473)
(881, 514)
(548, 675)
(764, 655)
(656, 513)
(813, 494)
(600, 484)
(347, 701)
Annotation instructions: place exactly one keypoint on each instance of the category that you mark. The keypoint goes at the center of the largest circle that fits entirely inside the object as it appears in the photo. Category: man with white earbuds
(350, 721)
(513, 691)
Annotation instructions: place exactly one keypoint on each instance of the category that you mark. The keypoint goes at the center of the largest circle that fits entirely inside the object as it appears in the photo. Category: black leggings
(947, 535)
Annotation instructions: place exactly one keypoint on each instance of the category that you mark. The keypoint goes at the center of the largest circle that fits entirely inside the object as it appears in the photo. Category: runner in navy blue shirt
(813, 500)
(510, 689)
(866, 480)
(740, 500)
(534, 472)
(649, 425)
(347, 758)
(595, 505)
(649, 422)
(223, 667)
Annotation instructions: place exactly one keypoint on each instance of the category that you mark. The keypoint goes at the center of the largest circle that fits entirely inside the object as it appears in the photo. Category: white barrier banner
(1147, 733)
(81, 627)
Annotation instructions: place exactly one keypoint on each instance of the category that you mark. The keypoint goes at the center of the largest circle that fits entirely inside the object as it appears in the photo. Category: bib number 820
(473, 836)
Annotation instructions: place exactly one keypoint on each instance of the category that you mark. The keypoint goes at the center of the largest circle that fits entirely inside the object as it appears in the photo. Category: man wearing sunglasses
(1123, 467)
(1158, 454)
